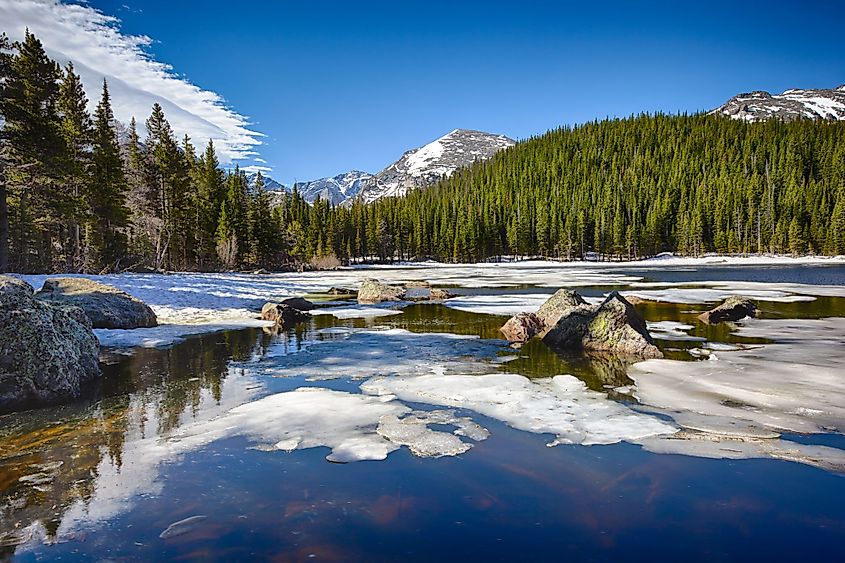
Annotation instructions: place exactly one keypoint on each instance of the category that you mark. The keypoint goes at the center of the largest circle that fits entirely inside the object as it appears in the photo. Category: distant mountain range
(416, 168)
(792, 104)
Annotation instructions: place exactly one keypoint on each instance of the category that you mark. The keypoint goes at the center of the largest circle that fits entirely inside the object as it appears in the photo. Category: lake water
(213, 430)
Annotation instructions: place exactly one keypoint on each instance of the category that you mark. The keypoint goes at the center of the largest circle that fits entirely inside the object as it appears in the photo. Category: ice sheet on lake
(562, 405)
(356, 312)
(355, 427)
(796, 384)
(672, 330)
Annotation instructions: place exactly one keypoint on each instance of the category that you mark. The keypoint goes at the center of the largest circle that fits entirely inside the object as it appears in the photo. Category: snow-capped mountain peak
(795, 103)
(429, 163)
(336, 189)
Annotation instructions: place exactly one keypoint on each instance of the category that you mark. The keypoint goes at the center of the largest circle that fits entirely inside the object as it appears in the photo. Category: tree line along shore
(84, 193)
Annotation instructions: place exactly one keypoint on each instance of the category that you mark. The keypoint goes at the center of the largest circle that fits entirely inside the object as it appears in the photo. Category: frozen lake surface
(411, 430)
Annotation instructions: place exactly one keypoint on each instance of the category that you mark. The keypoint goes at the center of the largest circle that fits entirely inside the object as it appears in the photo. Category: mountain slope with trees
(80, 194)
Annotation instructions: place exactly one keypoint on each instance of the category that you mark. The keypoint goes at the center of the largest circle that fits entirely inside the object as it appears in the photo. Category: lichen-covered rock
(47, 351)
(439, 294)
(555, 306)
(373, 291)
(613, 326)
(106, 306)
(298, 303)
(732, 309)
(343, 292)
(522, 327)
(283, 315)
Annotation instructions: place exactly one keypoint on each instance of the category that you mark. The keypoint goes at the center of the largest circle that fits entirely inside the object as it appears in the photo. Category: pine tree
(108, 215)
(35, 153)
(208, 180)
(6, 58)
(77, 132)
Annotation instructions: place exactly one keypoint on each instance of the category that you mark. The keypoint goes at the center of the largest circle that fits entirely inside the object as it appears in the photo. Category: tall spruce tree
(109, 216)
(35, 152)
(77, 132)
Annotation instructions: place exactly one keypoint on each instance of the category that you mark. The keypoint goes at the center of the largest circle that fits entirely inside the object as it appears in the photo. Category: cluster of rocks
(373, 291)
(567, 322)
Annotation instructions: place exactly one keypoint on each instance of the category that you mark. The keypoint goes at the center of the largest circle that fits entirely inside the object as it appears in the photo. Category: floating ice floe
(562, 406)
(356, 312)
(355, 427)
(796, 384)
(672, 330)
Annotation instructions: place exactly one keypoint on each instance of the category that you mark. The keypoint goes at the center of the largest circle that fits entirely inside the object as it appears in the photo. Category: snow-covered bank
(192, 303)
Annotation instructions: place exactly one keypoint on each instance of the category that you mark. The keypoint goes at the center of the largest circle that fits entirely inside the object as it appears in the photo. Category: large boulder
(47, 351)
(373, 291)
(525, 326)
(555, 306)
(522, 327)
(298, 303)
(732, 309)
(106, 306)
(283, 315)
(614, 326)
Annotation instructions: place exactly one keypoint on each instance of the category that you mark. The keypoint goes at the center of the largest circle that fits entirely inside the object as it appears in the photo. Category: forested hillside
(81, 193)
(629, 188)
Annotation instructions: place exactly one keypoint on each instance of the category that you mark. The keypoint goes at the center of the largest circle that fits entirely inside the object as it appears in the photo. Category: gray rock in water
(613, 326)
(522, 327)
(298, 303)
(439, 294)
(343, 292)
(283, 315)
(106, 306)
(732, 309)
(555, 306)
(373, 291)
(47, 351)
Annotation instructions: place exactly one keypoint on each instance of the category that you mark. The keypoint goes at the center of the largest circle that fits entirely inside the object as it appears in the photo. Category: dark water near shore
(508, 498)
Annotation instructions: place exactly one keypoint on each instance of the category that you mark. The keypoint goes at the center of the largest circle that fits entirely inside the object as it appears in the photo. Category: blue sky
(342, 85)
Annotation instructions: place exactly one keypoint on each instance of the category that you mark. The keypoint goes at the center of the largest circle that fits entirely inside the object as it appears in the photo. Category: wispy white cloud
(98, 49)
(255, 168)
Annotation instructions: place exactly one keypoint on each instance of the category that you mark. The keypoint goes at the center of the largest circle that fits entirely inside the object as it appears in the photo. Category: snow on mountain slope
(426, 165)
(336, 189)
(270, 184)
(792, 104)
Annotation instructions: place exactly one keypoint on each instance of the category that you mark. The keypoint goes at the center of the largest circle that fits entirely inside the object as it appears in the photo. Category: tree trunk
(4, 227)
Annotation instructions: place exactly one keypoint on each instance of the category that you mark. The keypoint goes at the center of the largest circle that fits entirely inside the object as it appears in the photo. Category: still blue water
(510, 498)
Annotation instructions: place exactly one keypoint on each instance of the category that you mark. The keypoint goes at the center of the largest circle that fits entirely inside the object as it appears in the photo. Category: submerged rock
(522, 327)
(283, 315)
(612, 326)
(732, 309)
(557, 305)
(298, 303)
(439, 294)
(47, 350)
(373, 291)
(106, 306)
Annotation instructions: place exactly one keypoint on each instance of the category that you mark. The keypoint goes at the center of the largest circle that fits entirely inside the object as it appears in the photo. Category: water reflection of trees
(50, 458)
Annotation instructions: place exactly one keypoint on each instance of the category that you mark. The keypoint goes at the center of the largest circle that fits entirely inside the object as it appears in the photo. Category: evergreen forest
(85, 193)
